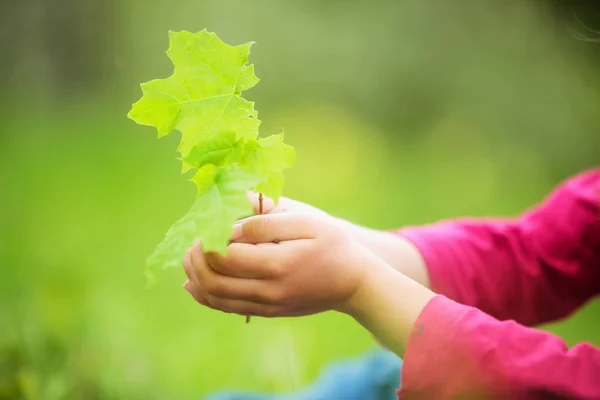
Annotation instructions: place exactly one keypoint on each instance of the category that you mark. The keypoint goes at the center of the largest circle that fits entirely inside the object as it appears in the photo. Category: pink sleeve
(456, 351)
(537, 268)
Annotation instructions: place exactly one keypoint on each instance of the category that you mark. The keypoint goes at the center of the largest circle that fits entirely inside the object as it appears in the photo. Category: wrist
(392, 248)
(388, 304)
(364, 300)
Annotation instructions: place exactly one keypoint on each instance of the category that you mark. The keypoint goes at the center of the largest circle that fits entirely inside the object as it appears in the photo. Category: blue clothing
(374, 376)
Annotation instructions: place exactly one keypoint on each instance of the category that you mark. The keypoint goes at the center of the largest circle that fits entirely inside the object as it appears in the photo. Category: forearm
(392, 249)
(455, 351)
(388, 305)
(533, 269)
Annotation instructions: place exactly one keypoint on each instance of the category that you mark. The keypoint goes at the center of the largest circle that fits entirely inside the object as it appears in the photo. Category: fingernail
(186, 285)
(237, 232)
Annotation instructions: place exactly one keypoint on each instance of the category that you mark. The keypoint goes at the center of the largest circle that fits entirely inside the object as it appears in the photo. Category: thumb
(274, 228)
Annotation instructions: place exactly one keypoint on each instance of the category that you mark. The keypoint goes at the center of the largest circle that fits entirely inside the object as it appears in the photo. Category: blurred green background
(402, 112)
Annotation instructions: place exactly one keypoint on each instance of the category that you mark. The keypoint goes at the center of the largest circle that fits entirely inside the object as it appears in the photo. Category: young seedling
(219, 141)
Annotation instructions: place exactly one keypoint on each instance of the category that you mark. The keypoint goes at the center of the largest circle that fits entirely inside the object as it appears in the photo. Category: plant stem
(260, 211)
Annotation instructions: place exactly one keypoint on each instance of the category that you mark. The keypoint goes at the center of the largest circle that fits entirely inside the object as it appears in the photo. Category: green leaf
(219, 150)
(169, 253)
(269, 157)
(202, 96)
(219, 131)
(222, 200)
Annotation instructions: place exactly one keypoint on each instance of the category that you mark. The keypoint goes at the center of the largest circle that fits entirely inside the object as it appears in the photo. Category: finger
(196, 294)
(274, 228)
(248, 261)
(188, 266)
(194, 261)
(242, 307)
(227, 287)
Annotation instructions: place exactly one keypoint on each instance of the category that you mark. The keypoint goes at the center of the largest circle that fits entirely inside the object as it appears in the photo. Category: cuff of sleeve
(437, 362)
(432, 242)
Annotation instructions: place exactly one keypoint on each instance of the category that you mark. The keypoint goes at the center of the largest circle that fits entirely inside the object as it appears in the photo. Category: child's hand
(286, 264)
(393, 249)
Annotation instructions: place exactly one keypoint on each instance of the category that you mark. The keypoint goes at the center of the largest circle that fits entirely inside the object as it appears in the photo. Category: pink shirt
(495, 278)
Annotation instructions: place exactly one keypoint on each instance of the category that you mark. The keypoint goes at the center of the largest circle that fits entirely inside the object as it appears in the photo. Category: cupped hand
(279, 265)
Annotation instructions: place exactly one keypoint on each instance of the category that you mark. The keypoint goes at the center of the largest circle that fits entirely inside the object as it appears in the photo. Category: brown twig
(260, 211)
